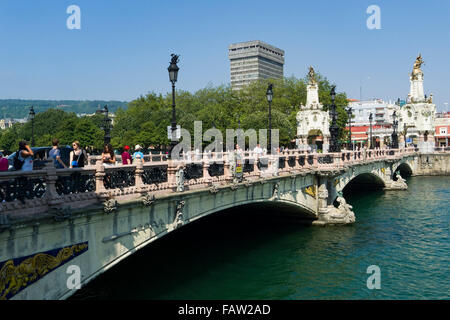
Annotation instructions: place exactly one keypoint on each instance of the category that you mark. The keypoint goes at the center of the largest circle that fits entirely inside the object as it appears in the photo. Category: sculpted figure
(416, 68)
(312, 75)
(399, 177)
(343, 205)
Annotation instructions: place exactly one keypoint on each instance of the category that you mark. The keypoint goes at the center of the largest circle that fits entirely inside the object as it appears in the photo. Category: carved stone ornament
(276, 190)
(213, 189)
(179, 175)
(110, 206)
(148, 199)
(343, 214)
(179, 214)
(323, 192)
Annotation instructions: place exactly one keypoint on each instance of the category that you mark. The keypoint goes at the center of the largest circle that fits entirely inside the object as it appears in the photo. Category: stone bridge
(56, 224)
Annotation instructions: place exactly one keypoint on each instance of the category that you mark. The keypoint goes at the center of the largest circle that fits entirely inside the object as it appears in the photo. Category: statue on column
(416, 68)
(312, 75)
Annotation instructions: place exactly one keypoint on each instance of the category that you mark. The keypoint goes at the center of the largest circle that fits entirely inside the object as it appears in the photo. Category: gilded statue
(312, 75)
(416, 68)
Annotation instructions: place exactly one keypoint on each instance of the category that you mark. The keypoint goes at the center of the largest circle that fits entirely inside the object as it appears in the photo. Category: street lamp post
(269, 94)
(31, 116)
(334, 129)
(370, 122)
(394, 134)
(106, 124)
(349, 113)
(173, 75)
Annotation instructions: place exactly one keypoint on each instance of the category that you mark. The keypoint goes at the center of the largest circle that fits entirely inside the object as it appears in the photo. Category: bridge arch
(364, 181)
(404, 169)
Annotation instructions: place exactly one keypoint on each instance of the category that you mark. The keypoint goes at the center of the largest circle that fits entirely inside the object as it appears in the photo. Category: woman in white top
(25, 155)
(108, 156)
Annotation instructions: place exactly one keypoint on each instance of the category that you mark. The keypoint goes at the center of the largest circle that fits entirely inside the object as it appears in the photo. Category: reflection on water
(247, 255)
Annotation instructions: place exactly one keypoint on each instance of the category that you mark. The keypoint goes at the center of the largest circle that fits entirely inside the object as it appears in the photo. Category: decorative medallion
(311, 190)
(17, 274)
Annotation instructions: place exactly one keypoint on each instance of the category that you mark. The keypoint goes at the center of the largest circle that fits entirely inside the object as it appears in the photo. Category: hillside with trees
(19, 109)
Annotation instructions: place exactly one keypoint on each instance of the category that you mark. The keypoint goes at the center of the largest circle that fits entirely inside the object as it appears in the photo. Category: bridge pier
(327, 213)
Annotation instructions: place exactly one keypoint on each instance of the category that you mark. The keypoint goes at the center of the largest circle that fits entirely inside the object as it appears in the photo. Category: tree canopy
(145, 120)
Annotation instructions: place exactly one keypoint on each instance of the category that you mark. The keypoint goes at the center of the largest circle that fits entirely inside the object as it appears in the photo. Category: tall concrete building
(253, 60)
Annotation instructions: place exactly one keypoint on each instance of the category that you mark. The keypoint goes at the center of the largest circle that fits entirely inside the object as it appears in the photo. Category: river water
(241, 254)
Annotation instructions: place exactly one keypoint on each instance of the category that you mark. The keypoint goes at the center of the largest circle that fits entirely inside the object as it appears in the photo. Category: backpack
(17, 163)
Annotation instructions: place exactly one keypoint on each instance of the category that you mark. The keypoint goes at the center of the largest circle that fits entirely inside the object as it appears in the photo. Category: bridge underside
(363, 182)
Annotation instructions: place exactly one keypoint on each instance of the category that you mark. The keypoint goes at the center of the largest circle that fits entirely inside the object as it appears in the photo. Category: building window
(443, 130)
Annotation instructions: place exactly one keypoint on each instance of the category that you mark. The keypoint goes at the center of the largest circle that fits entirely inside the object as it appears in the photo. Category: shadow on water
(192, 251)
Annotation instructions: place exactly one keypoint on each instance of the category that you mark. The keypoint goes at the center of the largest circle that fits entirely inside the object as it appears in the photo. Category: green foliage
(146, 118)
(50, 124)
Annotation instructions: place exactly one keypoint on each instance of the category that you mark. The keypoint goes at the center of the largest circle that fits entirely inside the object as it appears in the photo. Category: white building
(381, 111)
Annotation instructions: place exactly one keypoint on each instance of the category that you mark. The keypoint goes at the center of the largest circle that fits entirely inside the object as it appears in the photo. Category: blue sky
(123, 48)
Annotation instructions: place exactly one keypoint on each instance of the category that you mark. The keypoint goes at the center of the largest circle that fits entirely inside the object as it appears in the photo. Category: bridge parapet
(33, 192)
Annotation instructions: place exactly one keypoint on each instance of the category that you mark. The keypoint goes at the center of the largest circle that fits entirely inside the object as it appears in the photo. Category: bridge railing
(41, 190)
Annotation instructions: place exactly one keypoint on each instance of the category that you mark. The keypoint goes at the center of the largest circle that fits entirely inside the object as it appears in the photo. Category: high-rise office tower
(253, 60)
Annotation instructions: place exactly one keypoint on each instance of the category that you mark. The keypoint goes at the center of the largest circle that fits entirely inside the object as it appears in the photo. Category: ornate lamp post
(394, 134)
(349, 113)
(31, 116)
(173, 76)
(370, 122)
(106, 124)
(334, 129)
(269, 94)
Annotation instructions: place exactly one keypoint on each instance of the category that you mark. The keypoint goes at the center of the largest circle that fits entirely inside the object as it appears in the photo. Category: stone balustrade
(39, 191)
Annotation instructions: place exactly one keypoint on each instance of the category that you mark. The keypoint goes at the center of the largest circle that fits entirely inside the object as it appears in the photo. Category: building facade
(381, 122)
(381, 110)
(442, 129)
(253, 60)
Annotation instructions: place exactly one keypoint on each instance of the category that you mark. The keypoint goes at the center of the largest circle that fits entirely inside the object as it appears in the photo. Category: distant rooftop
(256, 43)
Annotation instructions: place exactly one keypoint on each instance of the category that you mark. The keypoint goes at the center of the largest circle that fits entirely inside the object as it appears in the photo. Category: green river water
(240, 254)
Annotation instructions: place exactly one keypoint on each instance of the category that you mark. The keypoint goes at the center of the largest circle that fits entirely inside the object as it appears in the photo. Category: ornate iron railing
(74, 183)
(291, 161)
(302, 161)
(119, 179)
(327, 159)
(216, 169)
(281, 162)
(22, 188)
(193, 171)
(248, 166)
(154, 174)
